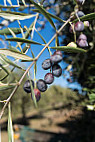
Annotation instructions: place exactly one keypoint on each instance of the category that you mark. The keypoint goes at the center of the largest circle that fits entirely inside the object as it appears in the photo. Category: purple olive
(41, 85)
(58, 52)
(79, 26)
(80, 14)
(37, 94)
(49, 78)
(82, 36)
(46, 64)
(56, 70)
(82, 43)
(56, 58)
(27, 86)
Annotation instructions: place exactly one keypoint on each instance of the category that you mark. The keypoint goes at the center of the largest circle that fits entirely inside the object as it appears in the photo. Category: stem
(34, 26)
(16, 87)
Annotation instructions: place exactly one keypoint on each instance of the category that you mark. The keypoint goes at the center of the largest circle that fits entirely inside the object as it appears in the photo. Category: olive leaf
(86, 17)
(9, 61)
(15, 54)
(7, 31)
(15, 39)
(43, 12)
(15, 15)
(69, 49)
(10, 127)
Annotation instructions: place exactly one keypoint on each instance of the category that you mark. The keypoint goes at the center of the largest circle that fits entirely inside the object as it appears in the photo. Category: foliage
(83, 65)
(11, 55)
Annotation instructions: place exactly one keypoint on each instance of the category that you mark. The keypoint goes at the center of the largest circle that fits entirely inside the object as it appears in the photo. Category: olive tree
(16, 12)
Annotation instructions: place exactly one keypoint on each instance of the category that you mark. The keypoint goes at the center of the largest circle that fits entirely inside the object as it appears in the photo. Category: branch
(20, 81)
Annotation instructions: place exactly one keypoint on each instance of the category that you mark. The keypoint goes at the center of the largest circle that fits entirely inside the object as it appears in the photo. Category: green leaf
(7, 31)
(55, 17)
(9, 61)
(1, 66)
(13, 48)
(15, 39)
(28, 32)
(10, 127)
(92, 97)
(5, 86)
(51, 15)
(13, 34)
(69, 49)
(41, 37)
(15, 15)
(32, 91)
(15, 54)
(43, 12)
(87, 17)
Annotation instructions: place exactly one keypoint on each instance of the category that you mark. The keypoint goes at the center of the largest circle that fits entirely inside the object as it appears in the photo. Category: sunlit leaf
(5, 86)
(10, 127)
(23, 2)
(9, 61)
(13, 48)
(15, 15)
(43, 11)
(69, 49)
(9, 1)
(15, 54)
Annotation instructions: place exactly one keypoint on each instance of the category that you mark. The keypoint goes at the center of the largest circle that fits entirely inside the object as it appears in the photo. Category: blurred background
(62, 115)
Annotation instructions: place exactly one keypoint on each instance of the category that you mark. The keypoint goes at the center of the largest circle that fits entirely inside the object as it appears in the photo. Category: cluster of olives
(55, 70)
(79, 27)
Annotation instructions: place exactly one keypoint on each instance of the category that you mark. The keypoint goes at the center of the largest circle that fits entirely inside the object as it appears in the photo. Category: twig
(34, 26)
(16, 87)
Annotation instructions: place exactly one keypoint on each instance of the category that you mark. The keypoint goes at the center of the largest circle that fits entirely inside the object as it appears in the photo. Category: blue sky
(47, 33)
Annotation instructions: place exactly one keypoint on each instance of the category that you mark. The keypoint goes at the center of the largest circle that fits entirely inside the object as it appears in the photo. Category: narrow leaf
(13, 34)
(51, 15)
(10, 127)
(9, 61)
(5, 86)
(15, 15)
(87, 17)
(23, 40)
(9, 1)
(15, 54)
(23, 2)
(41, 37)
(69, 49)
(43, 12)
(7, 31)
(32, 91)
(1, 66)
